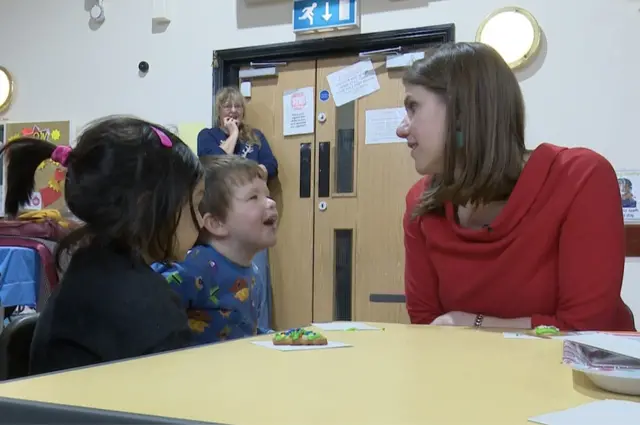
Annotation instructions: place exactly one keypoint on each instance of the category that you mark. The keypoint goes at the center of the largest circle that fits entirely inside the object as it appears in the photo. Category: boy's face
(252, 219)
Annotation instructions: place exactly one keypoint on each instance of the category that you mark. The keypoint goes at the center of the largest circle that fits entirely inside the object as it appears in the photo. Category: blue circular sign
(324, 95)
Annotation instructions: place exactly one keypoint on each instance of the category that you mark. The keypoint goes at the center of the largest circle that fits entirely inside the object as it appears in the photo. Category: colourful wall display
(49, 178)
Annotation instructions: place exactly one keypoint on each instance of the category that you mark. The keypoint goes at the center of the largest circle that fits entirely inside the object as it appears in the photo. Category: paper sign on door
(381, 125)
(353, 82)
(245, 88)
(298, 111)
(403, 61)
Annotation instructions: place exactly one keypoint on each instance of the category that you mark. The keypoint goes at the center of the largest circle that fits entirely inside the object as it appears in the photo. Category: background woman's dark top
(209, 141)
(107, 308)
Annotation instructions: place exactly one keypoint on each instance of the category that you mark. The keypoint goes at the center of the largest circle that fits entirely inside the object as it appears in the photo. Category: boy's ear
(214, 226)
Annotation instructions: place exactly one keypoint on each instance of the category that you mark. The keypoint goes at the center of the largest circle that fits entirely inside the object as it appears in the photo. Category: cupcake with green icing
(544, 330)
(299, 336)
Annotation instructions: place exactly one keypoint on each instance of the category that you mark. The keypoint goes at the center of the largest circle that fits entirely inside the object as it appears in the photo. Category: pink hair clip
(61, 155)
(164, 139)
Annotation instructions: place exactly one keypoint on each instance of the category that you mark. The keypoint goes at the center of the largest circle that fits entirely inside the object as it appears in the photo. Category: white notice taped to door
(298, 111)
(381, 125)
(353, 82)
(403, 61)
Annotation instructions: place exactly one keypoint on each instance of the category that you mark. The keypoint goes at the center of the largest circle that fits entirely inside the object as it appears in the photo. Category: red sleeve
(420, 280)
(591, 254)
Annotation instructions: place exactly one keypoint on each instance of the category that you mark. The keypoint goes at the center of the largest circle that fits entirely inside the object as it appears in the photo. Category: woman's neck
(478, 216)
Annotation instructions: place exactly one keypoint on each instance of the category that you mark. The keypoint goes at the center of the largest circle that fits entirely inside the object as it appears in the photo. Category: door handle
(324, 169)
(305, 170)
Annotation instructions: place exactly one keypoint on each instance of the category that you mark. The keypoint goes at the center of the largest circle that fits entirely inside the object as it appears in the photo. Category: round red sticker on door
(298, 100)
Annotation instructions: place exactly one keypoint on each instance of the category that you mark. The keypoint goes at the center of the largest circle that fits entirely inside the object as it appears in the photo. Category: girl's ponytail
(22, 158)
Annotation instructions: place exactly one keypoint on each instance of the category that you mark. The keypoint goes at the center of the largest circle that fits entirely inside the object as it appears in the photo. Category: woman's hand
(231, 125)
(460, 318)
(455, 318)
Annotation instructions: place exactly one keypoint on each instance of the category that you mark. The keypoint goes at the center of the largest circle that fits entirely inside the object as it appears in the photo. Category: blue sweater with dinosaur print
(219, 295)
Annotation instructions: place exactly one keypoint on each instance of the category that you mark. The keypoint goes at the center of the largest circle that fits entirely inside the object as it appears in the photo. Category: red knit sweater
(555, 253)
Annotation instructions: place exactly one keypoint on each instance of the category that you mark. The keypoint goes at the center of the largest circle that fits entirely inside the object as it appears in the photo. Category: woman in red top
(496, 235)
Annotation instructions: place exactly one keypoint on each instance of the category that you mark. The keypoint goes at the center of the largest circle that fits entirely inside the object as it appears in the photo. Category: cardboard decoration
(49, 178)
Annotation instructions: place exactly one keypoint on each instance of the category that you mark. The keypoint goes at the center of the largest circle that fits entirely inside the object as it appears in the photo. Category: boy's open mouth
(271, 221)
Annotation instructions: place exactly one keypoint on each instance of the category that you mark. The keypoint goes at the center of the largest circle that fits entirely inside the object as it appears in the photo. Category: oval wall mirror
(6, 88)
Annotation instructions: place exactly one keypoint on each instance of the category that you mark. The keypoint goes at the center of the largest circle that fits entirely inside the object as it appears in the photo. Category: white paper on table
(353, 82)
(405, 60)
(518, 335)
(245, 88)
(330, 344)
(345, 326)
(381, 125)
(298, 111)
(603, 412)
(629, 347)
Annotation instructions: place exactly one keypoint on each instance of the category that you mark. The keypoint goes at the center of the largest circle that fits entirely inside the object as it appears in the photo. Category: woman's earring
(459, 139)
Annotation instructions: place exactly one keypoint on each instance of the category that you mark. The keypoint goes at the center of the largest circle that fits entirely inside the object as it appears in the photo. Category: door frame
(226, 63)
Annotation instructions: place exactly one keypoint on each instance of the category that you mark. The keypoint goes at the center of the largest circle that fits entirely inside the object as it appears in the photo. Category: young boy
(216, 281)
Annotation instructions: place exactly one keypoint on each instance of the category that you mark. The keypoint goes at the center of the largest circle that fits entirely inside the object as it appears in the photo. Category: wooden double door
(341, 199)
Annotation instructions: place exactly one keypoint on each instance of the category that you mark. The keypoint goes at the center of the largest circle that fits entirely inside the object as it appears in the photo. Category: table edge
(19, 411)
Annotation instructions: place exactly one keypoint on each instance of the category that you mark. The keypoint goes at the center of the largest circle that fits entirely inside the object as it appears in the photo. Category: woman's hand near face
(231, 125)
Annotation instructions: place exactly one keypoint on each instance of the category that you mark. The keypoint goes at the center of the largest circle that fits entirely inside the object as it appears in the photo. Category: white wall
(585, 90)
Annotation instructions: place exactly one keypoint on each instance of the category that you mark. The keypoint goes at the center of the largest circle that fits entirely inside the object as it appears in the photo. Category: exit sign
(323, 15)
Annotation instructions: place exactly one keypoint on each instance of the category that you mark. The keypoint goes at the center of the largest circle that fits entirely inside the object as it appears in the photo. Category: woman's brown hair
(233, 95)
(484, 133)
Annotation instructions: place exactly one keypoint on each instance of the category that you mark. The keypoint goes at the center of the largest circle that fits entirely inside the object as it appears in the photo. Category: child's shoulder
(199, 260)
(201, 255)
(207, 255)
(172, 272)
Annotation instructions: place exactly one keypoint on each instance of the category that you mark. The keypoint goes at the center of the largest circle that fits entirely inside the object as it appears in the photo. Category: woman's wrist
(496, 322)
(229, 145)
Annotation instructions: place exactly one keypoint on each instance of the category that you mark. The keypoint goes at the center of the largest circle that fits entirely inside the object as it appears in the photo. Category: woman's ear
(214, 226)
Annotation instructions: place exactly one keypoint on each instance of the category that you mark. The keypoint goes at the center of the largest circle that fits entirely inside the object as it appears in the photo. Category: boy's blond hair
(223, 174)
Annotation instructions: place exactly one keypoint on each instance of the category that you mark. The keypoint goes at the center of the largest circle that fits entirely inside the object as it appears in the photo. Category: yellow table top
(403, 375)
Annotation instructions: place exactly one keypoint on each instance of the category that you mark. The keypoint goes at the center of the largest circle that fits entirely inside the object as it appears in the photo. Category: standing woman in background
(233, 136)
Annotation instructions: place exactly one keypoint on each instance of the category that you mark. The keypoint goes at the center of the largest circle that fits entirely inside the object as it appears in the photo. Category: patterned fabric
(218, 295)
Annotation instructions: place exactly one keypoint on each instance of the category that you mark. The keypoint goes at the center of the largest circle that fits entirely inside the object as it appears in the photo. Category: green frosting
(547, 330)
(296, 334)
(312, 335)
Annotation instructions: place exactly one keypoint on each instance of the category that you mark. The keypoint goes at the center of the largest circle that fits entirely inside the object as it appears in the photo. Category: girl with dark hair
(497, 235)
(136, 187)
